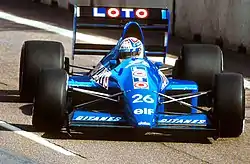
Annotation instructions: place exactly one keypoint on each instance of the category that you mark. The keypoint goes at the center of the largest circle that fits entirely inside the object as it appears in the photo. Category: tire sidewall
(229, 104)
(30, 68)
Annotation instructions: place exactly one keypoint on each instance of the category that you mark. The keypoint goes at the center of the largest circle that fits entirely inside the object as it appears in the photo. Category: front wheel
(229, 104)
(199, 63)
(50, 100)
(35, 56)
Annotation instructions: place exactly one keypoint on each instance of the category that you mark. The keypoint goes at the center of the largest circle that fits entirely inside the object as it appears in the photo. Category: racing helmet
(131, 47)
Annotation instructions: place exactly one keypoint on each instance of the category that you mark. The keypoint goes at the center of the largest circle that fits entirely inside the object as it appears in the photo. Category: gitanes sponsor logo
(182, 121)
(96, 118)
(101, 75)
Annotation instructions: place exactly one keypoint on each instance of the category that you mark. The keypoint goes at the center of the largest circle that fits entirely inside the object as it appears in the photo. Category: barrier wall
(111, 3)
(125, 3)
(115, 3)
(224, 21)
(211, 19)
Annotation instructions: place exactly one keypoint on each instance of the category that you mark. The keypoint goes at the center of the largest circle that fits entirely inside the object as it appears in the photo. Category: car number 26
(138, 98)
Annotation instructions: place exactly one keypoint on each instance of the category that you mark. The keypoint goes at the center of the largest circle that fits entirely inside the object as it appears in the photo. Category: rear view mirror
(158, 64)
(113, 63)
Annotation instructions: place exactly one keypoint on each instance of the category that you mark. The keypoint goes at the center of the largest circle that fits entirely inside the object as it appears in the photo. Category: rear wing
(99, 18)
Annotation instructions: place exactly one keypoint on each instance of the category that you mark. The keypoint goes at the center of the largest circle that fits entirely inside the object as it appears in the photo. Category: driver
(131, 47)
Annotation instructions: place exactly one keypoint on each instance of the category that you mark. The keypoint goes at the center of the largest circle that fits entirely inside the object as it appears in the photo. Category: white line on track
(64, 32)
(36, 138)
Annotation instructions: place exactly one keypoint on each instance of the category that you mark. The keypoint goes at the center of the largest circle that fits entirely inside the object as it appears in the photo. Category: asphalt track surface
(110, 147)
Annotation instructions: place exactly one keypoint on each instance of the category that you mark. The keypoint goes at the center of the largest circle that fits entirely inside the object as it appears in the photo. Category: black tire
(199, 63)
(50, 100)
(35, 56)
(229, 104)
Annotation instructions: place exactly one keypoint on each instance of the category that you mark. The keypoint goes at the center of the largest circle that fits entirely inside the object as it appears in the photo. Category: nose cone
(143, 117)
(142, 106)
(140, 83)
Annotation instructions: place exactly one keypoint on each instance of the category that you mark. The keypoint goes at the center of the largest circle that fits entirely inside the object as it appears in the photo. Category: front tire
(229, 104)
(199, 63)
(36, 56)
(50, 100)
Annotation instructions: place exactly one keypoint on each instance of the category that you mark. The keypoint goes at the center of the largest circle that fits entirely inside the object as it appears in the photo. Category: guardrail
(225, 23)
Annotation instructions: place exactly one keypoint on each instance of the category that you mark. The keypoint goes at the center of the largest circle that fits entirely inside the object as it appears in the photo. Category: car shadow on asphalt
(114, 135)
(129, 137)
(12, 96)
(27, 109)
(126, 136)
(9, 96)
(120, 135)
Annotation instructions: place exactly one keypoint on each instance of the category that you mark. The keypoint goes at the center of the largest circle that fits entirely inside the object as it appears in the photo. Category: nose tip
(144, 123)
(144, 117)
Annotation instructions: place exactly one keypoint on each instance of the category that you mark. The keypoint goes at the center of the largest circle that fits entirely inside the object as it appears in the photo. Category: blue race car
(127, 89)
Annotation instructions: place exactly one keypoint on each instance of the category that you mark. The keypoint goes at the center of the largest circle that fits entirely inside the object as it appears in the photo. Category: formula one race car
(127, 89)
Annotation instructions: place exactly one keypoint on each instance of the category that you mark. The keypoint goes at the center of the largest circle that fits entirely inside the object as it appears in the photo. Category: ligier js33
(127, 88)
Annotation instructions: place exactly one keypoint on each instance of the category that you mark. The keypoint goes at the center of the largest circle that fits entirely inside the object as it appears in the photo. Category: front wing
(79, 120)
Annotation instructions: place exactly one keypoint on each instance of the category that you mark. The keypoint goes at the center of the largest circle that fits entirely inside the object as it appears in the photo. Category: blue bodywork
(142, 102)
(140, 81)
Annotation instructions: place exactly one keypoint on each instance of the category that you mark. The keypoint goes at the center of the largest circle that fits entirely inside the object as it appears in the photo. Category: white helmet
(131, 47)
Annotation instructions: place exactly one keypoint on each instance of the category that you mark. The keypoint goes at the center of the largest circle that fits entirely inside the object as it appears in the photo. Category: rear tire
(229, 104)
(199, 63)
(50, 100)
(35, 56)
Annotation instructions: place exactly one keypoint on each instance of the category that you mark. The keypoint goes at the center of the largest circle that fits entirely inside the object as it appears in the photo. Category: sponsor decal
(182, 121)
(138, 98)
(143, 123)
(137, 62)
(97, 69)
(140, 73)
(96, 118)
(144, 111)
(120, 12)
(164, 80)
(140, 85)
(140, 79)
(101, 75)
(136, 42)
